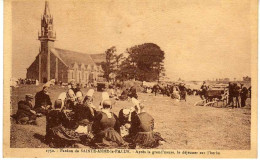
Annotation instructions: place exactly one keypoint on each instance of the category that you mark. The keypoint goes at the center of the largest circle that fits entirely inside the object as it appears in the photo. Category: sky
(202, 39)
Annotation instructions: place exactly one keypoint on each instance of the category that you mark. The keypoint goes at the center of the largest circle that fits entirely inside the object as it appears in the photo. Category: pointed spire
(46, 9)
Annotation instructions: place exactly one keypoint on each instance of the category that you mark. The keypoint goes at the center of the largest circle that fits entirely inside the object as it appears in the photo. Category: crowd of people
(27, 81)
(238, 94)
(175, 91)
(73, 120)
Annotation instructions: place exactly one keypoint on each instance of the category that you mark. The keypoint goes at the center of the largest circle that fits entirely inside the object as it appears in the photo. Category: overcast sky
(202, 39)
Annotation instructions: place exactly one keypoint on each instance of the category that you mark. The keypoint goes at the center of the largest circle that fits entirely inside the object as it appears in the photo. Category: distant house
(59, 64)
(226, 79)
(223, 79)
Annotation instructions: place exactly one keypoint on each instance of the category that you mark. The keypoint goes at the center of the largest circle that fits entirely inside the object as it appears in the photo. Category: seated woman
(124, 94)
(25, 113)
(42, 101)
(84, 113)
(124, 120)
(143, 125)
(132, 92)
(70, 100)
(106, 128)
(125, 116)
(58, 131)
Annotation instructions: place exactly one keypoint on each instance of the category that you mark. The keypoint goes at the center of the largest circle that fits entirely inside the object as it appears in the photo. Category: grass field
(183, 125)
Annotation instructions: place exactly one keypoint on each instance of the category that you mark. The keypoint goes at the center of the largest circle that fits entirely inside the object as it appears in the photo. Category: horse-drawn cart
(214, 96)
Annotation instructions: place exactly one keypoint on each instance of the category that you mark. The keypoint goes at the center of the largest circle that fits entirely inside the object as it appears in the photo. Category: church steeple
(46, 9)
(47, 32)
(47, 38)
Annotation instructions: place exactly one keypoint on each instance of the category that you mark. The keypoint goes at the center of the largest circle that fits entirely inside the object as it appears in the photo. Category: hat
(105, 96)
(90, 92)
(45, 86)
(29, 96)
(71, 94)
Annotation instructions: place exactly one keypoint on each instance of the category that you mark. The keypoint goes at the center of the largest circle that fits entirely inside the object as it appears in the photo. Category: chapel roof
(70, 57)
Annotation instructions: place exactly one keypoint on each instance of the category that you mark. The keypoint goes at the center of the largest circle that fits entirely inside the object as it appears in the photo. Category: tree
(144, 63)
(109, 66)
(118, 59)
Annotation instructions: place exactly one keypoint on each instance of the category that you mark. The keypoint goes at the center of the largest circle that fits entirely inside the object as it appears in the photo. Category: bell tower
(47, 38)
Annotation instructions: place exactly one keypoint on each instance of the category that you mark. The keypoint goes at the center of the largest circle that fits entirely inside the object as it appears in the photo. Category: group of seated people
(128, 93)
(74, 120)
(177, 92)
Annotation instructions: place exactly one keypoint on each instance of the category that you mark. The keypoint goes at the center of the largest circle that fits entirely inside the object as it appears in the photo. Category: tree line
(143, 62)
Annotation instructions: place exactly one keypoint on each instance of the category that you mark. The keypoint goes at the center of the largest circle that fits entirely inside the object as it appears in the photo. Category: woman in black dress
(142, 125)
(106, 128)
(60, 128)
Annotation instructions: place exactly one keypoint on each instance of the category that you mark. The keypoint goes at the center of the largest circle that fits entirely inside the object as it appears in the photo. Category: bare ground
(183, 125)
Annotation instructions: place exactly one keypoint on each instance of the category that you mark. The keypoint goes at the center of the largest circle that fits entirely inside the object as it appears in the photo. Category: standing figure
(155, 89)
(249, 90)
(236, 93)
(25, 113)
(230, 93)
(243, 95)
(183, 91)
(175, 94)
(42, 101)
(204, 89)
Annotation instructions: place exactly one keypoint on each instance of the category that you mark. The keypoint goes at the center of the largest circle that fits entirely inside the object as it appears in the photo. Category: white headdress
(90, 92)
(105, 96)
(79, 94)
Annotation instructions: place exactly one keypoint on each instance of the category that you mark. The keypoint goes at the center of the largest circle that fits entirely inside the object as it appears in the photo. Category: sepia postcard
(130, 78)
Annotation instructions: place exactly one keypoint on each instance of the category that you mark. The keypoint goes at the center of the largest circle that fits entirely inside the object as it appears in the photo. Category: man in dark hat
(25, 114)
(42, 101)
